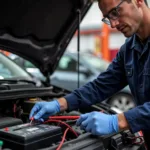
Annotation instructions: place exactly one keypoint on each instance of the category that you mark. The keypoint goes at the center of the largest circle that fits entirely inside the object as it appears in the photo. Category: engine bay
(57, 132)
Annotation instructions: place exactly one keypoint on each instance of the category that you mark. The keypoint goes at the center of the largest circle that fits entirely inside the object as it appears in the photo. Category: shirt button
(129, 73)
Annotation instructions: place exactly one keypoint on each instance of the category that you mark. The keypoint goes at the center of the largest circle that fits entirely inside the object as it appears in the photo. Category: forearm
(139, 118)
(122, 122)
(94, 92)
(63, 104)
(104, 86)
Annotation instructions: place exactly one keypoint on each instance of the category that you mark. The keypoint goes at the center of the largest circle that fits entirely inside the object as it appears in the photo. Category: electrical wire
(134, 139)
(64, 117)
(59, 121)
(140, 138)
(141, 134)
(63, 139)
(64, 135)
(14, 110)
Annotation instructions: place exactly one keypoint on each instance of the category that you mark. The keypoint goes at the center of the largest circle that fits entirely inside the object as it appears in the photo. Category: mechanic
(131, 66)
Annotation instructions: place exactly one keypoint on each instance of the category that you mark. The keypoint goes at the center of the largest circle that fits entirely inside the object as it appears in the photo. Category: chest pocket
(146, 80)
(129, 72)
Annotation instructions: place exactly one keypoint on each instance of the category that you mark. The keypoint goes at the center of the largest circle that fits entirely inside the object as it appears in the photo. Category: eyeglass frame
(107, 16)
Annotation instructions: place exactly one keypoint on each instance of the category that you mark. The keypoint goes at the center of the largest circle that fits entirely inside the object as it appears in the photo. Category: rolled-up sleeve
(104, 86)
(139, 118)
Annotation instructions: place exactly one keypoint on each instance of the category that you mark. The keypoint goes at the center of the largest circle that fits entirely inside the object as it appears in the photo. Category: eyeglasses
(113, 14)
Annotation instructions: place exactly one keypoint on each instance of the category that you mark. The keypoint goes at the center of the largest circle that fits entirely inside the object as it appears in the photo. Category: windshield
(97, 62)
(10, 70)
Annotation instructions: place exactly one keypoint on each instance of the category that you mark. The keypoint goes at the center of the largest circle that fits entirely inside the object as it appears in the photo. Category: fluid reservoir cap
(6, 129)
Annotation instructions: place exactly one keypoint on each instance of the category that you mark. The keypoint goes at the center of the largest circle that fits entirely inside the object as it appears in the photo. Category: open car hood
(40, 30)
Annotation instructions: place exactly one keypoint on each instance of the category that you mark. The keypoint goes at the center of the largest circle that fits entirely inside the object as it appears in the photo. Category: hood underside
(40, 30)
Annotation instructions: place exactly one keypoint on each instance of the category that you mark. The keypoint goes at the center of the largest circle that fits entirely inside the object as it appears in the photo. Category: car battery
(30, 137)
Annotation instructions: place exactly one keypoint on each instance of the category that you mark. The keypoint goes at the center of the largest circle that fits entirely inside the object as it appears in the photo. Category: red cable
(64, 117)
(63, 124)
(63, 139)
(140, 138)
(134, 139)
(14, 110)
(67, 117)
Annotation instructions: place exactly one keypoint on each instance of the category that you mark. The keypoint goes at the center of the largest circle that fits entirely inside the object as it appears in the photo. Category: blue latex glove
(98, 123)
(43, 110)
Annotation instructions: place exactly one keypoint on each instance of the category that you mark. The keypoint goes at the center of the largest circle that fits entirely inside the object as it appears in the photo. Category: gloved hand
(98, 123)
(42, 110)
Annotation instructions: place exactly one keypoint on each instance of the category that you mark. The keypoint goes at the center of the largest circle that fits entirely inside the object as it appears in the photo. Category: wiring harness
(58, 119)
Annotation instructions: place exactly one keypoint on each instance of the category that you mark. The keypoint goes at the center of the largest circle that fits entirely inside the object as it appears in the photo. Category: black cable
(78, 45)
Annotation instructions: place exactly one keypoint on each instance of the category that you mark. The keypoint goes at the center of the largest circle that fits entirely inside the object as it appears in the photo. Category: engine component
(9, 121)
(28, 104)
(30, 137)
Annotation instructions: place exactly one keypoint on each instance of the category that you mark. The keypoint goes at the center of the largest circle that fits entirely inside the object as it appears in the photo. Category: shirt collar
(136, 42)
(133, 42)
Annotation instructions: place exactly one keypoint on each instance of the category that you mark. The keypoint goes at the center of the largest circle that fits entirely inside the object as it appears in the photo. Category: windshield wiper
(13, 81)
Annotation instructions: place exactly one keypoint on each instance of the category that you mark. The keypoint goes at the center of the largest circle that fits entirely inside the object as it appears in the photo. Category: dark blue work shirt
(131, 66)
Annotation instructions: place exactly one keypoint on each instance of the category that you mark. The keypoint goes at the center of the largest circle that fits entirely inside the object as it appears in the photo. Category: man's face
(126, 17)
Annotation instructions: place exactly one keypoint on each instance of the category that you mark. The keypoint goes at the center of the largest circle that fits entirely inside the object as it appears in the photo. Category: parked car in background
(28, 66)
(11, 72)
(66, 75)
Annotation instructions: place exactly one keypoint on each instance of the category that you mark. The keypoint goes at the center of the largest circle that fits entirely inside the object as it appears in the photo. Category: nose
(114, 23)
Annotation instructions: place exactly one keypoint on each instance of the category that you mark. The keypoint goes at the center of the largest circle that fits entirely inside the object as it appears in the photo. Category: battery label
(32, 129)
